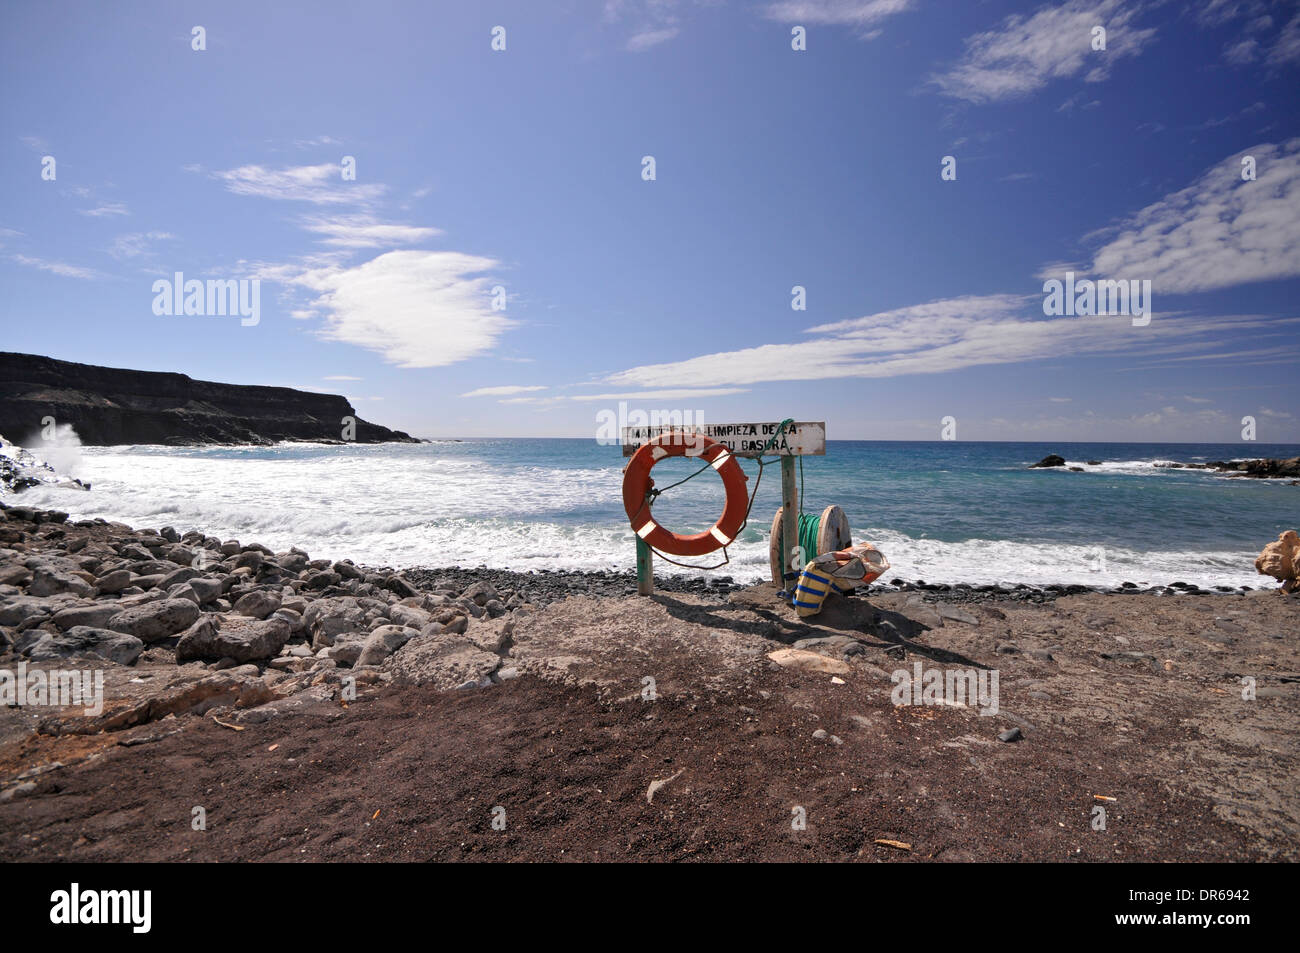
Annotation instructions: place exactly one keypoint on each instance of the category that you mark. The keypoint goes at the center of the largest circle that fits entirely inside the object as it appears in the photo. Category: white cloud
(340, 377)
(941, 336)
(365, 232)
(1024, 53)
(136, 244)
(319, 184)
(679, 394)
(651, 38)
(105, 210)
(503, 390)
(416, 308)
(58, 267)
(1287, 47)
(859, 13)
(1218, 232)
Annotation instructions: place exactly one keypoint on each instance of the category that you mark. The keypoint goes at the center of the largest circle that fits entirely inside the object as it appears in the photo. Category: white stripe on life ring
(722, 458)
(658, 453)
(720, 536)
(647, 529)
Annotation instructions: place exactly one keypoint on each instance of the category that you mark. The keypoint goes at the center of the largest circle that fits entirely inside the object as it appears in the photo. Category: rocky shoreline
(1264, 468)
(109, 406)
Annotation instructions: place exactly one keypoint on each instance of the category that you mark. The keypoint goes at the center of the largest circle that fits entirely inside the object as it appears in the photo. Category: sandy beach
(479, 714)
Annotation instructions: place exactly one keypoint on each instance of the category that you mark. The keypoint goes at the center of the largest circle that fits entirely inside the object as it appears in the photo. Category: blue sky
(522, 168)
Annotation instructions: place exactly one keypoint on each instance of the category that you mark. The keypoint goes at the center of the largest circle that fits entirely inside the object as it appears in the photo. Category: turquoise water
(947, 511)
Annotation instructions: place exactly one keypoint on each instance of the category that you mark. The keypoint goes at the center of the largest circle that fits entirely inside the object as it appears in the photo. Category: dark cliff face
(107, 406)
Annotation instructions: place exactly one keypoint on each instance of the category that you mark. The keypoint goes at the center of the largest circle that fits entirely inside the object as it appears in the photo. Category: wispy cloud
(136, 244)
(105, 210)
(863, 14)
(319, 184)
(647, 39)
(503, 390)
(666, 394)
(943, 336)
(1025, 53)
(58, 267)
(1218, 232)
(366, 232)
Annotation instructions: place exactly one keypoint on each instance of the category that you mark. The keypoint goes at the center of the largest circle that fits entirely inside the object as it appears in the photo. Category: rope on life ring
(638, 487)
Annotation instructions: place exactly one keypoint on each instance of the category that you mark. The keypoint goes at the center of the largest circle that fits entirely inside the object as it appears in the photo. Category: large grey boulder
(156, 620)
(83, 640)
(257, 604)
(92, 615)
(383, 642)
(237, 637)
(49, 582)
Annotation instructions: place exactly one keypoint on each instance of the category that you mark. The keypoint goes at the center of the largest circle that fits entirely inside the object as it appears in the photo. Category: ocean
(944, 512)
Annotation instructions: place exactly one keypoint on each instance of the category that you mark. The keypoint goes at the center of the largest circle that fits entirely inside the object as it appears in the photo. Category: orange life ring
(637, 483)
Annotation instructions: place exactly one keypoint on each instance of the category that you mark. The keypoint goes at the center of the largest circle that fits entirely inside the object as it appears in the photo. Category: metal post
(789, 516)
(645, 573)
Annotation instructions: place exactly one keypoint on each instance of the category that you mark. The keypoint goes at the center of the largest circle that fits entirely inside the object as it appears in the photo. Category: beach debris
(225, 724)
(656, 785)
(1011, 735)
(1103, 797)
(1281, 560)
(896, 844)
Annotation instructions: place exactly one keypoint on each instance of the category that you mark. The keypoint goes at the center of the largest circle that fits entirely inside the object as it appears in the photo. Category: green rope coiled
(809, 527)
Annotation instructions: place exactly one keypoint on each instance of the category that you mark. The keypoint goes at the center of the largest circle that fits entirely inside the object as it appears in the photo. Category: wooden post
(645, 573)
(789, 517)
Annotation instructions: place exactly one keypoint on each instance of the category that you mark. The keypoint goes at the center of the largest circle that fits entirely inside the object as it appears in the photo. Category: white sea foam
(427, 510)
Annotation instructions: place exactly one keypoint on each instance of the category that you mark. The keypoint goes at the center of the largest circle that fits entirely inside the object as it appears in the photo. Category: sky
(505, 219)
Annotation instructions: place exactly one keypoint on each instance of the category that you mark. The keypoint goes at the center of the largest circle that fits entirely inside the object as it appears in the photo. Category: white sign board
(744, 440)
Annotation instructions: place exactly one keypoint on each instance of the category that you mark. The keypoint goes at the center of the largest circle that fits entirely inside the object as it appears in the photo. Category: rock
(326, 619)
(383, 642)
(1094, 463)
(441, 661)
(288, 615)
(820, 734)
(410, 616)
(1010, 735)
(235, 637)
(184, 574)
(317, 581)
(809, 662)
(1280, 559)
(347, 648)
(47, 582)
(113, 582)
(257, 604)
(348, 571)
(400, 586)
(84, 640)
(91, 615)
(156, 620)
(1051, 460)
(207, 590)
(17, 611)
(956, 613)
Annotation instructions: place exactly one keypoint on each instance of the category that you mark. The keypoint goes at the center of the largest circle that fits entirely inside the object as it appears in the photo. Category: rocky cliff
(107, 405)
